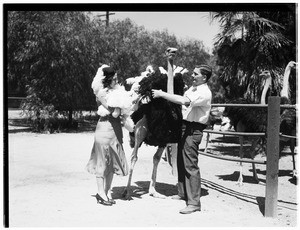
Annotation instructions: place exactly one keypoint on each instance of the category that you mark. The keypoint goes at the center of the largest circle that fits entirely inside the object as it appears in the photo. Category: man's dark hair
(205, 70)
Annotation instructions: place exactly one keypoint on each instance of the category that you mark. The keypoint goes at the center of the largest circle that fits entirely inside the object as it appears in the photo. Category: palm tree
(246, 45)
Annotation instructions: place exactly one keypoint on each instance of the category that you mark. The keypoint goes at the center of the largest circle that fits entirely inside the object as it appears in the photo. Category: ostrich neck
(170, 85)
(285, 88)
(265, 90)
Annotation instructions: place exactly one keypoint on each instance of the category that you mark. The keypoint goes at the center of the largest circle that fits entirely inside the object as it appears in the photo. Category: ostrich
(249, 120)
(288, 116)
(245, 120)
(157, 122)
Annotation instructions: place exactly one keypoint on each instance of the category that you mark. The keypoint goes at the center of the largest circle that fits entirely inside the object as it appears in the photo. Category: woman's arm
(98, 102)
(101, 100)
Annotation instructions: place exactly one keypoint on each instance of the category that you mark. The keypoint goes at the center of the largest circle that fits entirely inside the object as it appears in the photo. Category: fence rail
(252, 106)
(272, 164)
(233, 133)
(231, 158)
(14, 102)
(16, 98)
(287, 136)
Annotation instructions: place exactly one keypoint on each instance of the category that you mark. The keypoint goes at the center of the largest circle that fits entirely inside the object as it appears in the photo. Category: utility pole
(107, 17)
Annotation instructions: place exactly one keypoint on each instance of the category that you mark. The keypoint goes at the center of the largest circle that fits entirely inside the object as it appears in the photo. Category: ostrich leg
(168, 152)
(292, 147)
(241, 128)
(241, 154)
(207, 141)
(252, 154)
(156, 159)
(140, 134)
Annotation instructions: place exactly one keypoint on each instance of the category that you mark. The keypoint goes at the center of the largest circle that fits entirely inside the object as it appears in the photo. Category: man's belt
(195, 125)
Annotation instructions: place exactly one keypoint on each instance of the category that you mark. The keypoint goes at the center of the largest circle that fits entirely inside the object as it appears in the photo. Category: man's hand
(171, 52)
(156, 93)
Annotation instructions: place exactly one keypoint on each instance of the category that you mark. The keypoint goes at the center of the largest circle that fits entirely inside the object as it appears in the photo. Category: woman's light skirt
(107, 155)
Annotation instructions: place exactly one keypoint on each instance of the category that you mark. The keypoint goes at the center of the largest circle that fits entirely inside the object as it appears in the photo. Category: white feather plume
(97, 81)
(176, 69)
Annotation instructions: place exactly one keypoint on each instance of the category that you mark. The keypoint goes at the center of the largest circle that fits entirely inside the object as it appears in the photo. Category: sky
(194, 25)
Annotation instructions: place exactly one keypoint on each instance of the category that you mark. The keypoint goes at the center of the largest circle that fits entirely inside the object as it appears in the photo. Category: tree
(49, 53)
(131, 48)
(247, 44)
(56, 54)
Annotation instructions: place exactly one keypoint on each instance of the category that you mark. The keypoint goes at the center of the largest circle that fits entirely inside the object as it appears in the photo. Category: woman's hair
(109, 73)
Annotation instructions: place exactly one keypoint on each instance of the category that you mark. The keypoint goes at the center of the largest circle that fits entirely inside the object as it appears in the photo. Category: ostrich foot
(295, 174)
(126, 195)
(157, 195)
(256, 179)
(240, 181)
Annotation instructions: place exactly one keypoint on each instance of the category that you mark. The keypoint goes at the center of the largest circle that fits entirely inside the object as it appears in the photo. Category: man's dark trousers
(189, 179)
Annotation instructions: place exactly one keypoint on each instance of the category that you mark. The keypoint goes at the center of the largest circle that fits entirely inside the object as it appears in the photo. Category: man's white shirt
(200, 104)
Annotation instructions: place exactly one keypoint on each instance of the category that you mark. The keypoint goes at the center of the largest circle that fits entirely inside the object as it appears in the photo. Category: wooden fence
(14, 102)
(272, 162)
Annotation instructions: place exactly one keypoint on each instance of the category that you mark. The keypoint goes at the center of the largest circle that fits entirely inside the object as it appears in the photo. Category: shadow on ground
(235, 176)
(229, 146)
(255, 200)
(143, 186)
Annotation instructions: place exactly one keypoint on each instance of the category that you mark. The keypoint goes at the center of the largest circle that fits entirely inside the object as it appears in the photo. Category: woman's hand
(156, 93)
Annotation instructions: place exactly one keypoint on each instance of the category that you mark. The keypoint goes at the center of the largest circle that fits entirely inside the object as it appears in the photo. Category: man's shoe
(177, 197)
(190, 209)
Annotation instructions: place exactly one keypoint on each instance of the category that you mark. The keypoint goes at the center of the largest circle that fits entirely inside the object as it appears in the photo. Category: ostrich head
(266, 75)
(171, 52)
(291, 65)
(149, 69)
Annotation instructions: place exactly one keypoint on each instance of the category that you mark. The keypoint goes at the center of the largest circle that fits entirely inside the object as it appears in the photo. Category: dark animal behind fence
(255, 118)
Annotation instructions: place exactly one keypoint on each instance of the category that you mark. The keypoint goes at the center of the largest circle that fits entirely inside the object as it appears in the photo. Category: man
(196, 107)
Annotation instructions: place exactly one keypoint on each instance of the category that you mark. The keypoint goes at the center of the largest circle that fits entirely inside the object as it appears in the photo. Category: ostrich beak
(265, 74)
(172, 50)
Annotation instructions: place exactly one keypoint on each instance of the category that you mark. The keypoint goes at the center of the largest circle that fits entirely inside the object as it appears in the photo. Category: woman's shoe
(112, 201)
(100, 200)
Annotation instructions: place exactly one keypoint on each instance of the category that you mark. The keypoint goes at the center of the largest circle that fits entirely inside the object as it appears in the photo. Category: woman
(107, 156)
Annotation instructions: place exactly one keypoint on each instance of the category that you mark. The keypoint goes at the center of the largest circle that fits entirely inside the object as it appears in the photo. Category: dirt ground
(49, 187)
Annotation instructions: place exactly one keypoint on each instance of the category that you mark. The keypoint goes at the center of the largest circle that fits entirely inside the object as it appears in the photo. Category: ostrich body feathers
(164, 118)
(255, 118)
(288, 122)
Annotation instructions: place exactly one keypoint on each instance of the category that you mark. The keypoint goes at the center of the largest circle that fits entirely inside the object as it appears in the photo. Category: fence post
(272, 157)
